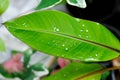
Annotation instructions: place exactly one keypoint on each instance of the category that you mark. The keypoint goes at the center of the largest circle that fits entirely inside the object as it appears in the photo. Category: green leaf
(27, 56)
(105, 75)
(3, 5)
(77, 70)
(78, 3)
(4, 73)
(47, 4)
(59, 34)
(31, 76)
(2, 46)
(38, 67)
(93, 77)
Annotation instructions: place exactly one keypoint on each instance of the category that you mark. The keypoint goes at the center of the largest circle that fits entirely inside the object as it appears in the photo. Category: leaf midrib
(72, 37)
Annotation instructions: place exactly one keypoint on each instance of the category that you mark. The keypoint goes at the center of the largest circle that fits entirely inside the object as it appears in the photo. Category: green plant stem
(99, 71)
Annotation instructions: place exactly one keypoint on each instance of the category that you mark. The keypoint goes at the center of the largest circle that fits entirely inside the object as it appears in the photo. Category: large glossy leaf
(78, 3)
(59, 34)
(77, 70)
(3, 5)
(2, 46)
(47, 4)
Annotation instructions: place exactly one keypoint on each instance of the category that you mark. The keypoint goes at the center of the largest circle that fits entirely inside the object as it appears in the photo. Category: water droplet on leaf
(63, 45)
(83, 25)
(56, 29)
(78, 20)
(66, 49)
(81, 30)
(86, 30)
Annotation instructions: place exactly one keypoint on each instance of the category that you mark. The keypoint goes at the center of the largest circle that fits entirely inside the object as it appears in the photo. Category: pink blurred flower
(14, 64)
(62, 63)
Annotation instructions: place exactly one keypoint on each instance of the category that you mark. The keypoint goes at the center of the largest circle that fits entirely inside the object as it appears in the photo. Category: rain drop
(81, 30)
(97, 23)
(86, 30)
(56, 29)
(83, 25)
(63, 45)
(96, 55)
(78, 20)
(24, 24)
(66, 49)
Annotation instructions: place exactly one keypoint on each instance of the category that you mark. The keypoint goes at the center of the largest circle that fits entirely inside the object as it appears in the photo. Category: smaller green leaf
(3, 5)
(105, 75)
(30, 76)
(77, 70)
(58, 34)
(78, 3)
(93, 77)
(44, 4)
(2, 46)
(27, 55)
(38, 67)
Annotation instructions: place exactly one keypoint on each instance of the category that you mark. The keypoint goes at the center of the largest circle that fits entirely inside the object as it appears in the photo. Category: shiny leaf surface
(44, 4)
(78, 3)
(3, 5)
(59, 34)
(77, 70)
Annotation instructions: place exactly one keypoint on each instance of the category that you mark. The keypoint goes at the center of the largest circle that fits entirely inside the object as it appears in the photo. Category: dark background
(106, 12)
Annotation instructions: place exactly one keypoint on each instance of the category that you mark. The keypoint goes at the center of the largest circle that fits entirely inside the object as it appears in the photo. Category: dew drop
(66, 49)
(86, 30)
(78, 20)
(56, 29)
(81, 30)
(24, 24)
(83, 25)
(97, 23)
(96, 55)
(63, 45)
(90, 59)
